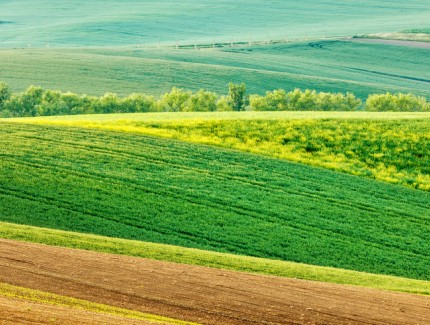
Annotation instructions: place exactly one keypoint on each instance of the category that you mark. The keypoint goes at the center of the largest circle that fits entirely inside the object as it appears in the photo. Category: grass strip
(190, 256)
(7, 290)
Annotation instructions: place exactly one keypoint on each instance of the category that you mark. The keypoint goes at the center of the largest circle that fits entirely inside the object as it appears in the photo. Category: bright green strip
(390, 147)
(211, 259)
(7, 290)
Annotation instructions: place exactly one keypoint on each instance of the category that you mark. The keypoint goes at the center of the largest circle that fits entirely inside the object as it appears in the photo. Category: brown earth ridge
(200, 294)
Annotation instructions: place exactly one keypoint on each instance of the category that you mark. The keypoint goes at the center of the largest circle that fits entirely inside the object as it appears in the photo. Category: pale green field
(327, 65)
(101, 23)
(211, 259)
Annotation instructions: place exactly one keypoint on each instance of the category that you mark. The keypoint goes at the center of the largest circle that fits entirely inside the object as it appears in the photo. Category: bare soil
(200, 294)
(19, 311)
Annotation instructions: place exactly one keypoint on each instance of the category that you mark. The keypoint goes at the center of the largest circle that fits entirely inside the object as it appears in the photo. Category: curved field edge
(10, 291)
(198, 257)
(157, 190)
(390, 147)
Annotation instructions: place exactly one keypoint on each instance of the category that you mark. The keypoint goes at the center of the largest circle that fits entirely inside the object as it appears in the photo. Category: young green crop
(391, 147)
(151, 189)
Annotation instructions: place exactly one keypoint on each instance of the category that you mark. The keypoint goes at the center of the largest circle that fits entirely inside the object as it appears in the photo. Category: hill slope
(201, 294)
(83, 23)
(335, 66)
(151, 189)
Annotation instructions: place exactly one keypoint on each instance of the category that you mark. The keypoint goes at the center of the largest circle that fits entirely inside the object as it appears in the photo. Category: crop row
(135, 187)
(392, 150)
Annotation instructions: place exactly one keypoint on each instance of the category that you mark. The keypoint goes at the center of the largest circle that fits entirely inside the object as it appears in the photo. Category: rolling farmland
(215, 217)
(326, 65)
(136, 187)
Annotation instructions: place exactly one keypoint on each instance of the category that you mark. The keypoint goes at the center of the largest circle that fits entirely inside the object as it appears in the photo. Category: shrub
(202, 101)
(396, 103)
(236, 93)
(26, 103)
(224, 104)
(273, 101)
(4, 94)
(175, 101)
(297, 100)
(37, 101)
(6, 113)
(139, 103)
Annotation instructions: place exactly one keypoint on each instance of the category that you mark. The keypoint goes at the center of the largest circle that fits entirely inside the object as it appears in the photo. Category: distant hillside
(113, 23)
(325, 65)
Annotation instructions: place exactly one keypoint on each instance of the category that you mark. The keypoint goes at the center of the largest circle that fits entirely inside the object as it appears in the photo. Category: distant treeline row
(36, 101)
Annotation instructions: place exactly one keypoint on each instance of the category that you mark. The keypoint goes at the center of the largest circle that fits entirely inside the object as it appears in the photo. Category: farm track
(167, 191)
(200, 294)
(414, 44)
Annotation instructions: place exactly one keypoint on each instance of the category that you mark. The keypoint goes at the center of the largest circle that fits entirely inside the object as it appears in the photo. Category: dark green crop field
(166, 191)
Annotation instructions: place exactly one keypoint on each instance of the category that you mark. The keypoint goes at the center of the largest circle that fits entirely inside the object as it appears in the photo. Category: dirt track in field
(19, 311)
(416, 44)
(201, 294)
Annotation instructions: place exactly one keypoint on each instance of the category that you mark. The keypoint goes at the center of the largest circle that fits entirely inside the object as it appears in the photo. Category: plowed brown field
(201, 294)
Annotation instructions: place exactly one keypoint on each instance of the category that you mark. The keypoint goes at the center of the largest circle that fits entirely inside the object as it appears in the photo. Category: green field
(101, 23)
(418, 31)
(392, 147)
(326, 196)
(333, 66)
(165, 191)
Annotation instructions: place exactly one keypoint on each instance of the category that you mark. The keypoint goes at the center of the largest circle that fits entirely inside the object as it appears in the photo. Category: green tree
(4, 94)
(277, 100)
(27, 103)
(237, 92)
(258, 103)
(175, 101)
(139, 103)
(223, 104)
(396, 103)
(108, 103)
(202, 101)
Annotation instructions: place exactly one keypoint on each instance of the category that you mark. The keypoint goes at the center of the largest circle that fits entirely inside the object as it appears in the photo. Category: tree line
(36, 101)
